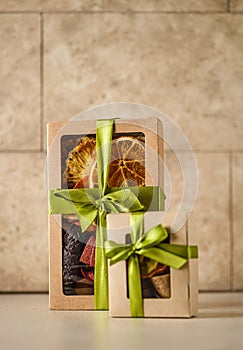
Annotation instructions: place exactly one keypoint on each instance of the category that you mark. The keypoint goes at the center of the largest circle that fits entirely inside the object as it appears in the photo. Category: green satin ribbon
(91, 204)
(149, 245)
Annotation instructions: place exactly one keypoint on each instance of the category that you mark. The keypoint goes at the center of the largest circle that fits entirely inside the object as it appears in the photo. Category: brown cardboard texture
(152, 130)
(183, 284)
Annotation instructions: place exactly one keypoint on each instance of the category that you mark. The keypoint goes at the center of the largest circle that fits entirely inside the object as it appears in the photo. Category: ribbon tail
(101, 298)
(135, 287)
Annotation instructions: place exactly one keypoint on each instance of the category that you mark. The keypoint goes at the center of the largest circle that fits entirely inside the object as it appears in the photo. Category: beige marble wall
(183, 57)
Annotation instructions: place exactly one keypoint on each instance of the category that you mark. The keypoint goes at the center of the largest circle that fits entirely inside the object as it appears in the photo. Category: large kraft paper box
(72, 252)
(171, 293)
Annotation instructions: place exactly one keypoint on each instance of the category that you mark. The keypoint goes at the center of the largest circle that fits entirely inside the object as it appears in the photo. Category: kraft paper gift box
(166, 291)
(72, 247)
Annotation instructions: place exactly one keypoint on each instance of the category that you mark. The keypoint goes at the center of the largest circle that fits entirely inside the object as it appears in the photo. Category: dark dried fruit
(72, 248)
(74, 244)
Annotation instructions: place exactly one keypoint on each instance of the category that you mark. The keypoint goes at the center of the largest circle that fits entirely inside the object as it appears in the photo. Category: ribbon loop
(153, 237)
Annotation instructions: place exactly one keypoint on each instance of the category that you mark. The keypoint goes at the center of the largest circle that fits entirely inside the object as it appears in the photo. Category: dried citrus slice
(79, 163)
(127, 162)
(127, 166)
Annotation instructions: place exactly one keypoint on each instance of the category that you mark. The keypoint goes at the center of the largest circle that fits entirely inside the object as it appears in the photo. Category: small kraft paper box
(152, 272)
(89, 162)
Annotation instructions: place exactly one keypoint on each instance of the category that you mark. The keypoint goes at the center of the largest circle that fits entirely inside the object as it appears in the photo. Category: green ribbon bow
(149, 245)
(94, 203)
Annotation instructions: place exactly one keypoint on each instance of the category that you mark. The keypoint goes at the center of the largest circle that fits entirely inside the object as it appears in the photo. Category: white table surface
(27, 323)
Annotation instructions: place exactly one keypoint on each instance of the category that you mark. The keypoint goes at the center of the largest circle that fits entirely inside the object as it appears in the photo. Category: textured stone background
(59, 57)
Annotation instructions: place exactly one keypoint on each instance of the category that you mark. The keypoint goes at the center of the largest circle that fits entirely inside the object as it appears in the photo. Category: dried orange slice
(127, 166)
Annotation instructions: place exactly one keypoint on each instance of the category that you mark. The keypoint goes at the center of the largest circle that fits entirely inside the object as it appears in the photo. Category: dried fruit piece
(148, 289)
(88, 255)
(72, 219)
(150, 268)
(88, 273)
(127, 162)
(80, 161)
(72, 249)
(88, 258)
(84, 287)
(162, 285)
